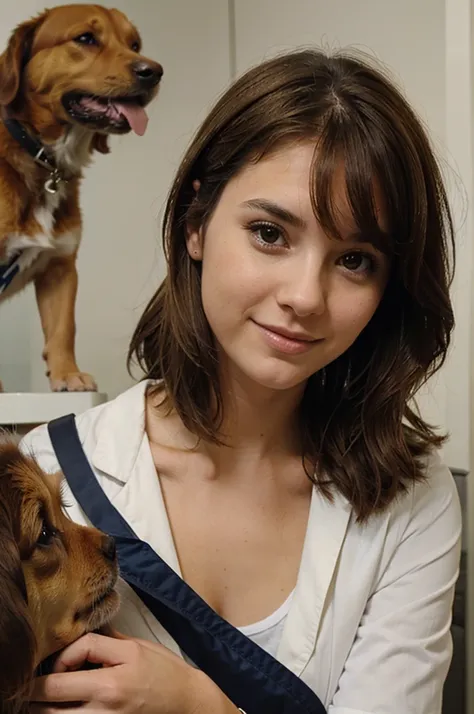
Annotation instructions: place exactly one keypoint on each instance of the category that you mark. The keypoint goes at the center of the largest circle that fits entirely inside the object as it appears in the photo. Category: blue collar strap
(247, 674)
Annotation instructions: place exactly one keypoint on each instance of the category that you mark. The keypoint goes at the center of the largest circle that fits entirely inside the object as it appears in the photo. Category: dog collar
(37, 151)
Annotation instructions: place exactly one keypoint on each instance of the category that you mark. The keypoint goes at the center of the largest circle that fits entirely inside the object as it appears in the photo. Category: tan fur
(48, 228)
(57, 578)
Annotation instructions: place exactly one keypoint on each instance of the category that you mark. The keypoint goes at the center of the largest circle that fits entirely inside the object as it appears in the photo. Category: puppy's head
(56, 578)
(78, 64)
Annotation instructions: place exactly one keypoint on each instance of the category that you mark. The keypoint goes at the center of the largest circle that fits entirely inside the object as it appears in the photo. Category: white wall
(459, 126)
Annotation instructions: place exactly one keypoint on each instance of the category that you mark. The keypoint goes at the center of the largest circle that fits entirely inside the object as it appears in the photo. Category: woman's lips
(286, 341)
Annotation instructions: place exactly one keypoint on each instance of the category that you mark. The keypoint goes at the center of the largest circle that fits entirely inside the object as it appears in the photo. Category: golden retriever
(68, 78)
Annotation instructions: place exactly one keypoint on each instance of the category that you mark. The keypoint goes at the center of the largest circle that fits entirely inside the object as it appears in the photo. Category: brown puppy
(57, 578)
(68, 78)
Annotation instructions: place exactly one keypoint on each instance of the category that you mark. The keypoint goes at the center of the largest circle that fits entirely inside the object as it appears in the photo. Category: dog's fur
(69, 51)
(57, 578)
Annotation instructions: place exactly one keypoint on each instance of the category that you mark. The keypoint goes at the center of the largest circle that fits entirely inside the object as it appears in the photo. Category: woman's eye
(46, 536)
(267, 233)
(358, 262)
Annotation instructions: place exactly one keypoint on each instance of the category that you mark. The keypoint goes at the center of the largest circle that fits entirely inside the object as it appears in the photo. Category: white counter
(23, 410)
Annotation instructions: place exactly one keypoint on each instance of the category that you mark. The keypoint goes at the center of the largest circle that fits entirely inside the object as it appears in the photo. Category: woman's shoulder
(428, 510)
(438, 486)
(114, 420)
(431, 503)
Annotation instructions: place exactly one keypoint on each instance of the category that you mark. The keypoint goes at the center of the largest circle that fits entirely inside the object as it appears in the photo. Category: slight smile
(286, 341)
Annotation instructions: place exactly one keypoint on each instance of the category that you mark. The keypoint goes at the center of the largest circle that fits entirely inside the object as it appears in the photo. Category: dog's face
(79, 64)
(56, 578)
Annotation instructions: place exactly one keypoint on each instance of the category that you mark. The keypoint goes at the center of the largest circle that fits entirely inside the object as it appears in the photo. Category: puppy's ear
(14, 59)
(100, 143)
(17, 639)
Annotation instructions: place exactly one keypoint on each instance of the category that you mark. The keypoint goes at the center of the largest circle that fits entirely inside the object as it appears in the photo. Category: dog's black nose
(108, 547)
(147, 73)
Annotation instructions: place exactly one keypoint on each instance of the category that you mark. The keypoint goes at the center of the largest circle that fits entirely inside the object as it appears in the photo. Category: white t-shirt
(267, 633)
(368, 625)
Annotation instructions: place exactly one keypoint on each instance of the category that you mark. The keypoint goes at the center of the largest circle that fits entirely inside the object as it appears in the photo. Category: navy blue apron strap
(249, 676)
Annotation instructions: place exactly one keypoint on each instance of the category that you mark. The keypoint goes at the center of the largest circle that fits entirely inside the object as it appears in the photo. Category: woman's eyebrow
(274, 209)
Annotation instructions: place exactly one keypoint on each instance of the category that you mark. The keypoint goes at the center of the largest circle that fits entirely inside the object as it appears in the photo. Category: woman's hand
(136, 677)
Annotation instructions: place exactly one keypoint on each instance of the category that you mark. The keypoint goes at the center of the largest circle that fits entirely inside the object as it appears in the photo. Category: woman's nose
(303, 289)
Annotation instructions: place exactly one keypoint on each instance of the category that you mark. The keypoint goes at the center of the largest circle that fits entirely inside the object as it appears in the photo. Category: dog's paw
(73, 382)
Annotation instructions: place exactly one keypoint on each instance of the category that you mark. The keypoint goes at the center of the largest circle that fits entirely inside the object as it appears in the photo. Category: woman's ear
(194, 242)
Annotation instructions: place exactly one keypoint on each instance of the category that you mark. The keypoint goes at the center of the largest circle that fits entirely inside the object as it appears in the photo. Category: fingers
(92, 648)
(80, 686)
(65, 687)
(69, 683)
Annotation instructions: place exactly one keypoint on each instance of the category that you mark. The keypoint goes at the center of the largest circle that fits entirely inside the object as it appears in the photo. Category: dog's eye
(46, 536)
(87, 38)
(136, 47)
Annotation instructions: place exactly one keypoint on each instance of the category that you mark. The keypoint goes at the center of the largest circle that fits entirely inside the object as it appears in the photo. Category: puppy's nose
(108, 548)
(147, 73)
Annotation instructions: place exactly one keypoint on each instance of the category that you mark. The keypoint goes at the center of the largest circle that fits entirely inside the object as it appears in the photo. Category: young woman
(273, 457)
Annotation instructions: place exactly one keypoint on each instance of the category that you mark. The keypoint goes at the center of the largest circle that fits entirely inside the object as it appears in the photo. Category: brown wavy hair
(360, 431)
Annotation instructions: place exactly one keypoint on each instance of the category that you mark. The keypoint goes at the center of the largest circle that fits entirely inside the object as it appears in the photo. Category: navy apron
(251, 678)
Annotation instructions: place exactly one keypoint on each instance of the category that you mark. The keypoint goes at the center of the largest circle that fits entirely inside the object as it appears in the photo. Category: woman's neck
(260, 420)
(258, 425)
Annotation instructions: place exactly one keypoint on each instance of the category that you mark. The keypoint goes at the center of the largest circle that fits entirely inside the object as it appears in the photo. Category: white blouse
(368, 626)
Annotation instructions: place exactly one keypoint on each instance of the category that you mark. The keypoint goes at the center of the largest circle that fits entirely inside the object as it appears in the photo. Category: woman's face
(282, 298)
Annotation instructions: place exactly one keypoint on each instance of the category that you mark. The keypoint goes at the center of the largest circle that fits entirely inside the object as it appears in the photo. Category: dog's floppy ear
(100, 143)
(14, 59)
(17, 641)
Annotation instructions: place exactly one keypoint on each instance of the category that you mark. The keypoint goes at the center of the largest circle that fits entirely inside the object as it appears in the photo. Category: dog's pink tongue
(135, 115)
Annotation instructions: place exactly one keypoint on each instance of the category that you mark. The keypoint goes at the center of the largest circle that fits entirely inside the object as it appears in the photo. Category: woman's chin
(278, 378)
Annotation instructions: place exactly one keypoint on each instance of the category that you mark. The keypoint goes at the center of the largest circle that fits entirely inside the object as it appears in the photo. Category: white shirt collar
(121, 426)
(119, 452)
